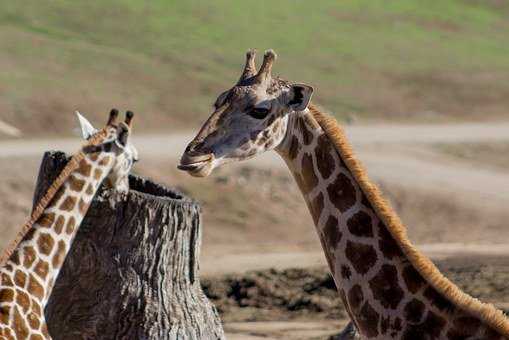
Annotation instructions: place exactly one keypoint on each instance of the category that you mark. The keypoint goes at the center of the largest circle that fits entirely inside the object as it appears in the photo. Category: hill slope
(442, 59)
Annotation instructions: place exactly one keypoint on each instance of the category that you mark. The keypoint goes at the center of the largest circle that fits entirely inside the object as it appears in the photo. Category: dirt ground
(291, 296)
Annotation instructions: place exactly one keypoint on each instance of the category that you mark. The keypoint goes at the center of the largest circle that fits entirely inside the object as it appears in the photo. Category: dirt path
(173, 144)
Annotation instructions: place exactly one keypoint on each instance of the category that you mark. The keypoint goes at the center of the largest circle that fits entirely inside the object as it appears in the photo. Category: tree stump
(132, 272)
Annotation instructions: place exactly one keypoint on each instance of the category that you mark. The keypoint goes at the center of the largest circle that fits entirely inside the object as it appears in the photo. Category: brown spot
(59, 225)
(59, 257)
(36, 308)
(84, 168)
(365, 202)
(294, 148)
(83, 206)
(346, 273)
(413, 279)
(414, 311)
(68, 204)
(331, 231)
(438, 300)
(35, 288)
(324, 159)
(307, 136)
(463, 327)
(46, 220)
(385, 287)
(90, 190)
(368, 321)
(6, 280)
(491, 334)
(76, 184)
(97, 174)
(69, 229)
(33, 321)
(355, 298)
(360, 225)
(58, 195)
(19, 325)
(429, 329)
(28, 256)
(396, 325)
(15, 255)
(388, 245)
(308, 173)
(317, 207)
(384, 324)
(362, 256)
(342, 193)
(42, 269)
(94, 156)
(45, 243)
(20, 278)
(23, 300)
(36, 337)
(434, 324)
(6, 295)
(4, 315)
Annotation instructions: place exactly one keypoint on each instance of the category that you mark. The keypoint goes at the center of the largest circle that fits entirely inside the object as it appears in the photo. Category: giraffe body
(389, 289)
(28, 272)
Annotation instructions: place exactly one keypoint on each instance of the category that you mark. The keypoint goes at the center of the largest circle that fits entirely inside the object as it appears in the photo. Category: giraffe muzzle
(196, 165)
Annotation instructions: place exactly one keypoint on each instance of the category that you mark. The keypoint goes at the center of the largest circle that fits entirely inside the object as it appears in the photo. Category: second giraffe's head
(248, 119)
(110, 150)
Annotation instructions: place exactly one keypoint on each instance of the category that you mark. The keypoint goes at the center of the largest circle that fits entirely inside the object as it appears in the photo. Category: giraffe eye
(258, 112)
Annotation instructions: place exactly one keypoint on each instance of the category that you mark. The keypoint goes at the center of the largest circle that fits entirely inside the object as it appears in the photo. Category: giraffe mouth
(199, 166)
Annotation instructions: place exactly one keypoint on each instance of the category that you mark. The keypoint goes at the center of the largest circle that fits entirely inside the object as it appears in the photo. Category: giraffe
(31, 264)
(389, 289)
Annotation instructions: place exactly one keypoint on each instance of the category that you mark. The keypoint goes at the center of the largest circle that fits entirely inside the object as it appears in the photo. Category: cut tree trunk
(132, 272)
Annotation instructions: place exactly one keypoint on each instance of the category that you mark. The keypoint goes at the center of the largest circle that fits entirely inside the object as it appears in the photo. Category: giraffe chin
(198, 169)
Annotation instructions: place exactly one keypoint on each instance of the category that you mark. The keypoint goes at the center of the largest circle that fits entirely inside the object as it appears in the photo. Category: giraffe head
(248, 119)
(113, 141)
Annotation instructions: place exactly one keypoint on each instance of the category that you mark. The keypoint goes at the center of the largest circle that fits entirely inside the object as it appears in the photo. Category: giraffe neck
(383, 292)
(29, 274)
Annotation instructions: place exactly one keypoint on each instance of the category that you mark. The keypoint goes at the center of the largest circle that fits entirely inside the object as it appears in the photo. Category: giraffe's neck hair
(382, 291)
(28, 275)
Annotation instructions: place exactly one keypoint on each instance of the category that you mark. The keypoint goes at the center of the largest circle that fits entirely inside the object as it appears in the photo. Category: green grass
(169, 59)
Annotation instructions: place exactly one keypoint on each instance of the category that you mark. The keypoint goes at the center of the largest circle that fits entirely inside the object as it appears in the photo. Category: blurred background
(422, 87)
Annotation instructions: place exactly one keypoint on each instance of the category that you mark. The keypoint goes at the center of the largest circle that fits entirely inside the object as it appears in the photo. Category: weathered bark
(132, 272)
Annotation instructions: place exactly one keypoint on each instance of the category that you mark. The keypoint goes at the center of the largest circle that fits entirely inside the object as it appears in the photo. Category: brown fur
(486, 312)
(37, 213)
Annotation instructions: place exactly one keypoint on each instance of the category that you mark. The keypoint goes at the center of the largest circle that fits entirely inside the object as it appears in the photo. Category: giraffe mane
(486, 312)
(43, 203)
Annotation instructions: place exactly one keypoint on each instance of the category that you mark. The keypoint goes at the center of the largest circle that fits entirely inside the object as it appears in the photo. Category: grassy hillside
(375, 59)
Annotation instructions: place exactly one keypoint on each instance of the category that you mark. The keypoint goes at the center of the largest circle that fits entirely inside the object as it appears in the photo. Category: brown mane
(71, 166)
(486, 312)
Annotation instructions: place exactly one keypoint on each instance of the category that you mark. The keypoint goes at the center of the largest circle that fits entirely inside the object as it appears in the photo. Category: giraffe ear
(300, 95)
(87, 130)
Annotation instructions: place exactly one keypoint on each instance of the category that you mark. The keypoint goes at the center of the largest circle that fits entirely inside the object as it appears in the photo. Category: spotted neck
(384, 292)
(29, 274)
